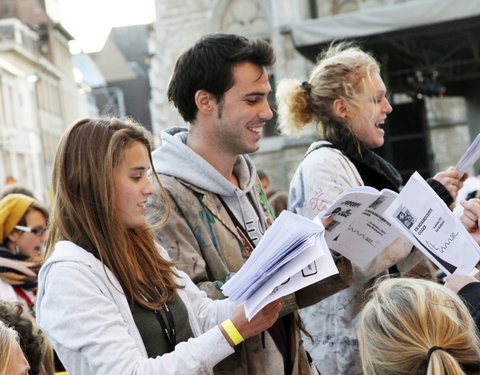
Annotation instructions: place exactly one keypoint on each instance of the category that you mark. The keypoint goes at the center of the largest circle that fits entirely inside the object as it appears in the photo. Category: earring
(17, 249)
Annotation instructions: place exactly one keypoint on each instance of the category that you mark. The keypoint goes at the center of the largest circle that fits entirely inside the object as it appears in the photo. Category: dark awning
(440, 36)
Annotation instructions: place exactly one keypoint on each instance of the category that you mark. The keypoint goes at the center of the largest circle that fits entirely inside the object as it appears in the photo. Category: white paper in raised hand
(430, 225)
(470, 156)
(279, 263)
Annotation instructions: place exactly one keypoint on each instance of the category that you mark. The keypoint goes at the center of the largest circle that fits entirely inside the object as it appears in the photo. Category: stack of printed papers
(366, 221)
(290, 256)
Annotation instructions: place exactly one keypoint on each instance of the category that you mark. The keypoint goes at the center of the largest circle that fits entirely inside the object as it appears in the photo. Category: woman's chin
(378, 142)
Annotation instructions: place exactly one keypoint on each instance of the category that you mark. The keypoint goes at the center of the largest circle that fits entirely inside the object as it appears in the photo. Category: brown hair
(341, 73)
(405, 318)
(84, 211)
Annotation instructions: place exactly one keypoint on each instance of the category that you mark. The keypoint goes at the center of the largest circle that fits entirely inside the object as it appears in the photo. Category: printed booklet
(291, 255)
(366, 220)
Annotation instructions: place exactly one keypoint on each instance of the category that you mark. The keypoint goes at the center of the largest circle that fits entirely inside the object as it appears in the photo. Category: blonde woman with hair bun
(417, 327)
(346, 100)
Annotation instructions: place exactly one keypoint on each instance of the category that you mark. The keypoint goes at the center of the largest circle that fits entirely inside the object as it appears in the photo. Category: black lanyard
(248, 244)
(168, 329)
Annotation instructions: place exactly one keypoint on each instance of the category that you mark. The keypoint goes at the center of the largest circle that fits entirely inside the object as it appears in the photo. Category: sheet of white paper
(281, 283)
(286, 230)
(306, 253)
(358, 230)
(346, 208)
(369, 234)
(470, 156)
(320, 269)
(430, 225)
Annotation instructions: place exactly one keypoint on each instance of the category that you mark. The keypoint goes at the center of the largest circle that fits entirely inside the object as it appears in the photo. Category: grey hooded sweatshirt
(174, 158)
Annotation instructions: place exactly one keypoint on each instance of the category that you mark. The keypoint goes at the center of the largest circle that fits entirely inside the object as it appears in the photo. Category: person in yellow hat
(23, 224)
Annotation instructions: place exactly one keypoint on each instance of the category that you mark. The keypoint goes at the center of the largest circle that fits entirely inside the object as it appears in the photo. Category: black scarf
(374, 170)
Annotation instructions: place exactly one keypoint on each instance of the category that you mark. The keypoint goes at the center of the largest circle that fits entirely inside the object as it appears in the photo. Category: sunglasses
(38, 231)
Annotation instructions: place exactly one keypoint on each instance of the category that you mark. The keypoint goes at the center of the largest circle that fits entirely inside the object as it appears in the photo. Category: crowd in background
(123, 273)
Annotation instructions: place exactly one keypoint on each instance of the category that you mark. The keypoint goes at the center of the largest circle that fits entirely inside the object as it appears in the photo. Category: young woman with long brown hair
(109, 299)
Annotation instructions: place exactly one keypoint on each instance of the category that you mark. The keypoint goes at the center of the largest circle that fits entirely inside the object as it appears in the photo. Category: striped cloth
(19, 270)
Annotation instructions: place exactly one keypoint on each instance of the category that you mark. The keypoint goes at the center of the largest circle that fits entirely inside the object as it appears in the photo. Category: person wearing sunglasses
(23, 223)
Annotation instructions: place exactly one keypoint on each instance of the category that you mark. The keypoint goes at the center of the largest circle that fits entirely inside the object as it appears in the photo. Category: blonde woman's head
(12, 359)
(331, 98)
(413, 326)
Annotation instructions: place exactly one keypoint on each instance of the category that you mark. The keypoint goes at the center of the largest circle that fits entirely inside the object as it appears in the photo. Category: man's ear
(339, 108)
(204, 101)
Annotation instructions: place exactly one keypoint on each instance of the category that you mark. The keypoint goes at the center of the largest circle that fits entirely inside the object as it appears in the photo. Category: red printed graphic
(317, 203)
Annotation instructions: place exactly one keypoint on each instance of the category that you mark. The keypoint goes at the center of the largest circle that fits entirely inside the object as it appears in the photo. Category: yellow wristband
(232, 332)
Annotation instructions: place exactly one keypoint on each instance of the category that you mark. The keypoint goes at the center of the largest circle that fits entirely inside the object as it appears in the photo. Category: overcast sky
(90, 21)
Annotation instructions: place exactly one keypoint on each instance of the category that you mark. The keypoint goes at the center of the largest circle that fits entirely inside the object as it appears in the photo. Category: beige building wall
(62, 59)
(39, 51)
(38, 100)
(21, 138)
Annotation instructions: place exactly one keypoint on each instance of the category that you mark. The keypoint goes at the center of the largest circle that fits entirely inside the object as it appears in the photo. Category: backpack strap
(321, 145)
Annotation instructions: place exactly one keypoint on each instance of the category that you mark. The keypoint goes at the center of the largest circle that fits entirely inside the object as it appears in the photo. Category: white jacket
(323, 175)
(83, 310)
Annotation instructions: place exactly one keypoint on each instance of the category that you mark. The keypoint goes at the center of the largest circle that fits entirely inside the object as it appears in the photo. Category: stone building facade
(38, 93)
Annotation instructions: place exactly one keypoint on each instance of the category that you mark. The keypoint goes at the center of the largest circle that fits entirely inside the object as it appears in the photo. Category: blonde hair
(342, 72)
(405, 318)
(84, 211)
(8, 338)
